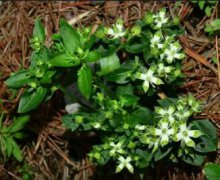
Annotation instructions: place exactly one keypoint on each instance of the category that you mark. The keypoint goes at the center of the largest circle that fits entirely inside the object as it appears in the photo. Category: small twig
(217, 57)
(78, 18)
(190, 52)
(216, 47)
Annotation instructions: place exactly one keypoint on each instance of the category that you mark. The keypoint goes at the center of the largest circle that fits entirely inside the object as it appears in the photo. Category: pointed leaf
(31, 99)
(17, 152)
(19, 123)
(93, 56)
(109, 64)
(8, 145)
(63, 60)
(69, 36)
(212, 171)
(18, 79)
(39, 31)
(84, 80)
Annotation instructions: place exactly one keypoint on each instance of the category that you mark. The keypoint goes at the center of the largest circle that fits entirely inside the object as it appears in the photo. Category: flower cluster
(170, 129)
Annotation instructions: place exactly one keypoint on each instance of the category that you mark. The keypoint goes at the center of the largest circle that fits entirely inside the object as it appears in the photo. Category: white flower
(156, 40)
(116, 148)
(164, 132)
(124, 163)
(149, 78)
(96, 125)
(164, 70)
(182, 113)
(117, 31)
(140, 127)
(153, 142)
(167, 113)
(160, 19)
(172, 53)
(185, 134)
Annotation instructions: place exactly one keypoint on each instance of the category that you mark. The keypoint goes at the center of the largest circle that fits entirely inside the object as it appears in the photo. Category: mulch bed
(50, 151)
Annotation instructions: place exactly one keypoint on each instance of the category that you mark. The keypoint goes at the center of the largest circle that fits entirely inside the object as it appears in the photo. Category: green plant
(119, 72)
(207, 6)
(26, 172)
(212, 171)
(213, 27)
(8, 136)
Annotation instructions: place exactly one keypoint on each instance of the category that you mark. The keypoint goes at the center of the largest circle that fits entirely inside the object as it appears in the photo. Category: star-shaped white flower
(149, 78)
(164, 132)
(164, 70)
(172, 53)
(160, 19)
(185, 134)
(96, 125)
(182, 113)
(167, 113)
(116, 31)
(140, 127)
(124, 162)
(156, 40)
(116, 148)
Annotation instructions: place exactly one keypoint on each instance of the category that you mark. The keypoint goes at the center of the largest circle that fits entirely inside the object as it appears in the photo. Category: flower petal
(119, 167)
(146, 86)
(164, 140)
(156, 80)
(130, 168)
(189, 142)
(195, 133)
(177, 137)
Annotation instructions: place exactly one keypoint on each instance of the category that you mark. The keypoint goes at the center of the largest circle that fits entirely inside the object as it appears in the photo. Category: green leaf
(145, 159)
(69, 123)
(19, 123)
(140, 116)
(212, 171)
(1, 120)
(40, 57)
(69, 36)
(16, 151)
(144, 114)
(93, 56)
(215, 24)
(63, 60)
(208, 11)
(197, 160)
(47, 78)
(9, 145)
(119, 76)
(207, 128)
(19, 79)
(109, 64)
(31, 99)
(206, 145)
(19, 135)
(136, 48)
(130, 99)
(201, 4)
(39, 31)
(84, 80)
(126, 89)
(161, 153)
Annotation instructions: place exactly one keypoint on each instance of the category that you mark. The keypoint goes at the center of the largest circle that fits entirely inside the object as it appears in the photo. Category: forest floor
(52, 153)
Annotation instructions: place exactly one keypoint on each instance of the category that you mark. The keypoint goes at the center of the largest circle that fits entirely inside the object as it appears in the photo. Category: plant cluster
(119, 71)
(206, 6)
(8, 136)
